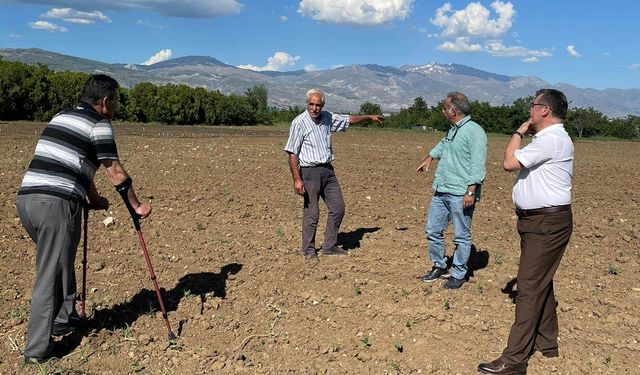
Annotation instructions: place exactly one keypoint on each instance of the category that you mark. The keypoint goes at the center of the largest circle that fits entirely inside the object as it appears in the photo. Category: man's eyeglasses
(533, 104)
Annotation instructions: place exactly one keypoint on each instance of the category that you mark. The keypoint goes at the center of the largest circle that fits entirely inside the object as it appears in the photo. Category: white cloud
(572, 51)
(146, 23)
(606, 53)
(474, 20)
(310, 67)
(168, 8)
(44, 25)
(277, 62)
(283, 18)
(461, 44)
(356, 12)
(163, 55)
(634, 66)
(76, 16)
(469, 26)
(496, 48)
(12, 35)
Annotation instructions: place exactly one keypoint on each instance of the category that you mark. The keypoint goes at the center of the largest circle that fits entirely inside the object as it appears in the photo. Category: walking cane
(123, 189)
(83, 296)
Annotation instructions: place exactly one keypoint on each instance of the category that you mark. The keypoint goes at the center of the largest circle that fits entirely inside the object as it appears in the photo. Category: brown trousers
(543, 239)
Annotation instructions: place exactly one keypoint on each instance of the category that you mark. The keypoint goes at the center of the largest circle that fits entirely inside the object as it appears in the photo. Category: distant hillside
(347, 87)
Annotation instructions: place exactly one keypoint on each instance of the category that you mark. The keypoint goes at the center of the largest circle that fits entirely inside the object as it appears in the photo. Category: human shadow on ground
(121, 316)
(351, 240)
(508, 289)
(477, 261)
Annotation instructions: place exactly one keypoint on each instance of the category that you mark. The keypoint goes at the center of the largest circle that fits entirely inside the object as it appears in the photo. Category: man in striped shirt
(60, 177)
(310, 157)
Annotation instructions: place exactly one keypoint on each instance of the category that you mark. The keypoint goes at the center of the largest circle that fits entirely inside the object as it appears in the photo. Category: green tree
(142, 98)
(257, 97)
(64, 92)
(586, 122)
(368, 108)
(13, 92)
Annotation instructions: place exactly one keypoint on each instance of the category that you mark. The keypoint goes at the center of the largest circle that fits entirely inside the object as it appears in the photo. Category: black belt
(543, 210)
(324, 165)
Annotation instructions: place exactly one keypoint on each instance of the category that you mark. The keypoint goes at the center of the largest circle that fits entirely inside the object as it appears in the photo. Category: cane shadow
(509, 290)
(122, 315)
(351, 240)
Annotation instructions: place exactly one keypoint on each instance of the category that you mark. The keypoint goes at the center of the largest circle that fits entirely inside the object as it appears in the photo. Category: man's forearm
(510, 162)
(354, 119)
(294, 167)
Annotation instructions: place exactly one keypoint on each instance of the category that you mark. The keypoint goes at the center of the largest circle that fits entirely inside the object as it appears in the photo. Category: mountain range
(347, 87)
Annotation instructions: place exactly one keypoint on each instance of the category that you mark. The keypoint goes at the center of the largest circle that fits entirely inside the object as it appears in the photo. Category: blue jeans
(444, 208)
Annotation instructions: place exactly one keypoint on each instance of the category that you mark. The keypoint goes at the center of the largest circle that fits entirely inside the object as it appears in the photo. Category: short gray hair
(459, 102)
(315, 92)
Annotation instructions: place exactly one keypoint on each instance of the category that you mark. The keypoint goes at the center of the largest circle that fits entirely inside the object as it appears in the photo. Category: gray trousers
(54, 225)
(320, 182)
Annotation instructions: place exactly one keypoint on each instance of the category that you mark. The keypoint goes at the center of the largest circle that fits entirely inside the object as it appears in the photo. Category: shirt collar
(462, 122)
(311, 118)
(549, 129)
(87, 106)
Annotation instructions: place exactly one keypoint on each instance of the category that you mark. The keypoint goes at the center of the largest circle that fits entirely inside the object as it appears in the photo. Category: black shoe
(73, 324)
(336, 250)
(61, 329)
(39, 360)
(499, 367)
(435, 274)
(454, 283)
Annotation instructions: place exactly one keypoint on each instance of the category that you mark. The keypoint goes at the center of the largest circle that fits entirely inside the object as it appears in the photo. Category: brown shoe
(336, 250)
(500, 367)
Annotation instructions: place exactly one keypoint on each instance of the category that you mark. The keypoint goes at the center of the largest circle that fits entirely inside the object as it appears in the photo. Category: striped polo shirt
(311, 142)
(68, 154)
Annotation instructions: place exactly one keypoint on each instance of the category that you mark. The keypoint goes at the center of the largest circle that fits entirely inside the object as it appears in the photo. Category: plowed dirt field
(224, 241)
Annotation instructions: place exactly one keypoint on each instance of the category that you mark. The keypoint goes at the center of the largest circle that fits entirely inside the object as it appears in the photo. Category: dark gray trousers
(54, 225)
(321, 182)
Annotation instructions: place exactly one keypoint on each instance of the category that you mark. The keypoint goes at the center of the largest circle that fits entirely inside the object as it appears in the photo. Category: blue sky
(583, 43)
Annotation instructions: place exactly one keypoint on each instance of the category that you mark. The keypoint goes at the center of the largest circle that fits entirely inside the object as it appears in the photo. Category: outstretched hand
(425, 165)
(377, 118)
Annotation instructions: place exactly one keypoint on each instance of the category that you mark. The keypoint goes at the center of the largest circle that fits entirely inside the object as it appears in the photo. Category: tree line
(504, 119)
(37, 93)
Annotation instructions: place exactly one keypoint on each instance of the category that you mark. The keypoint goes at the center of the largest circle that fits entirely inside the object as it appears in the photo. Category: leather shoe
(499, 367)
(73, 324)
(336, 250)
(62, 329)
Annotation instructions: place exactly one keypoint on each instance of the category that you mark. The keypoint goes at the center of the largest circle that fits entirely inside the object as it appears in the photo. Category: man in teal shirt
(462, 154)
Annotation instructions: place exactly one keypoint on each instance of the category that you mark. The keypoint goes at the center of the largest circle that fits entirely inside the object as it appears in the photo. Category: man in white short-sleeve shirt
(542, 196)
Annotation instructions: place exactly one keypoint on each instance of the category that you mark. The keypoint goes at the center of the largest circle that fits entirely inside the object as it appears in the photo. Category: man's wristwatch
(518, 134)
(470, 193)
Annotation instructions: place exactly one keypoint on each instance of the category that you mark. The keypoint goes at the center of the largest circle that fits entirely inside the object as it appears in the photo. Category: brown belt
(543, 210)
